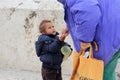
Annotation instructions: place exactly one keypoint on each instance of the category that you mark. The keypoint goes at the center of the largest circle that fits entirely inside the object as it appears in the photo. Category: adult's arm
(86, 14)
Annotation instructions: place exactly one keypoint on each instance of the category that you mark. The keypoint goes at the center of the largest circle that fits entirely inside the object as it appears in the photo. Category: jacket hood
(51, 35)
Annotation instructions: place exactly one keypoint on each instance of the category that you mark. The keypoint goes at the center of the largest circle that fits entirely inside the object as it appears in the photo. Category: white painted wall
(19, 20)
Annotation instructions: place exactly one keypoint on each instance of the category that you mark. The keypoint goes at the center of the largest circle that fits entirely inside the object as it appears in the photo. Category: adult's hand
(84, 45)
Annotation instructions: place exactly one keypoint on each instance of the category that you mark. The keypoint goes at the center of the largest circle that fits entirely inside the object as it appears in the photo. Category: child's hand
(62, 37)
(65, 31)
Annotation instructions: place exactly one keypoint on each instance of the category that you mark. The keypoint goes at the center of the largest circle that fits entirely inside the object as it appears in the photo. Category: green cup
(66, 51)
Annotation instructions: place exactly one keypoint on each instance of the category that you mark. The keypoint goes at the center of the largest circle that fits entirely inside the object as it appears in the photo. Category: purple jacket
(94, 20)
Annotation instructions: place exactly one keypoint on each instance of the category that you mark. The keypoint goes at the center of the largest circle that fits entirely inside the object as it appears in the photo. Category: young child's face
(49, 29)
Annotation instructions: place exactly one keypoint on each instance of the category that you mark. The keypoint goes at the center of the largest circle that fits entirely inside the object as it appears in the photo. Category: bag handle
(84, 47)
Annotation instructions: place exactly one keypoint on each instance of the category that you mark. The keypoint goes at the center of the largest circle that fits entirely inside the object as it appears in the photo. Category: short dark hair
(42, 25)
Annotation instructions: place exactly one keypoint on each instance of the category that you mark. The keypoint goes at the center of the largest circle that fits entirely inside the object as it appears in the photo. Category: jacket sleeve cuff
(59, 42)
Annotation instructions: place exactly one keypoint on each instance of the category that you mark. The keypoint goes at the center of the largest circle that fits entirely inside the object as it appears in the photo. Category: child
(48, 48)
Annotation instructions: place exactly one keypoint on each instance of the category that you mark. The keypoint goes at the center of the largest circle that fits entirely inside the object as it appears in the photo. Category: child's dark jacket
(48, 48)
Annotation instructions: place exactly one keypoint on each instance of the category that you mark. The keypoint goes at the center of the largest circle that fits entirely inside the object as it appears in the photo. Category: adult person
(96, 20)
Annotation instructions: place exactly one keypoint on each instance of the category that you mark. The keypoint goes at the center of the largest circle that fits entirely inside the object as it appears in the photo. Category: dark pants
(51, 74)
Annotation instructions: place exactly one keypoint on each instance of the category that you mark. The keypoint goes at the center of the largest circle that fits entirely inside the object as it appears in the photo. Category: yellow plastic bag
(75, 63)
(87, 68)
